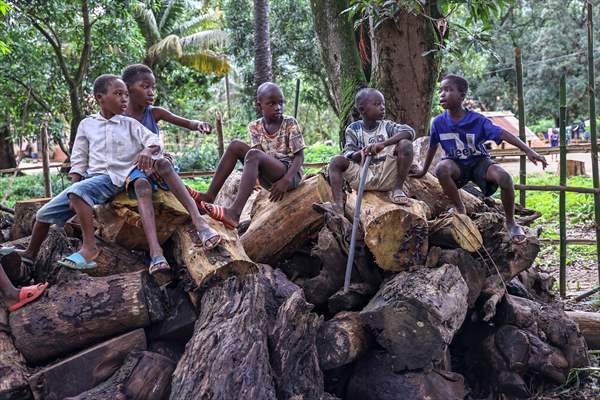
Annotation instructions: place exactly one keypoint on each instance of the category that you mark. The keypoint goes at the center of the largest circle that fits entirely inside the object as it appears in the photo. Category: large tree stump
(293, 354)
(420, 149)
(86, 369)
(396, 235)
(374, 379)
(428, 190)
(120, 223)
(150, 379)
(25, 217)
(228, 357)
(415, 315)
(83, 311)
(279, 228)
(227, 258)
(13, 373)
(342, 340)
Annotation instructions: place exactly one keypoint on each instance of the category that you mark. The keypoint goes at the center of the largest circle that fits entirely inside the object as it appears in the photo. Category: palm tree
(179, 30)
(262, 43)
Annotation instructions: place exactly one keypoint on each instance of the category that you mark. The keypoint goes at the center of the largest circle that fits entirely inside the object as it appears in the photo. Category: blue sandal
(77, 261)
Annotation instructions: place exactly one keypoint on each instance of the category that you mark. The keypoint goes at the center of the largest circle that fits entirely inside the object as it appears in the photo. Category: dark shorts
(296, 180)
(476, 173)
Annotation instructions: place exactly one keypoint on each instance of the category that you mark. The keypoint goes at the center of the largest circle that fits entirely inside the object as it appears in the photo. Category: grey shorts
(94, 190)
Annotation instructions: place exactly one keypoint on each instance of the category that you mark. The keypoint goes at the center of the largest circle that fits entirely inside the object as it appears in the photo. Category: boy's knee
(338, 163)
(142, 187)
(163, 167)
(236, 146)
(252, 156)
(505, 180)
(404, 149)
(443, 170)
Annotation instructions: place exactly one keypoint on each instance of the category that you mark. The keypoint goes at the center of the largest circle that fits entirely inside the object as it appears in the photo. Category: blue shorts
(94, 190)
(137, 173)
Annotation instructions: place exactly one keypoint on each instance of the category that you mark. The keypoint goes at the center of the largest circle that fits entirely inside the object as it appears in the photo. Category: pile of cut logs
(264, 315)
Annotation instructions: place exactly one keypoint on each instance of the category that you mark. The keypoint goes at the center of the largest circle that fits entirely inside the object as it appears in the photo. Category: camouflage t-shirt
(283, 144)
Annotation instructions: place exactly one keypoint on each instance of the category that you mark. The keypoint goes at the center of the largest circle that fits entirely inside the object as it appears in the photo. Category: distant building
(507, 121)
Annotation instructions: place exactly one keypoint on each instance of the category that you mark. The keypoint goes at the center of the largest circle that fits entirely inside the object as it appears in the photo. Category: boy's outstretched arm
(280, 187)
(532, 155)
(161, 114)
(421, 173)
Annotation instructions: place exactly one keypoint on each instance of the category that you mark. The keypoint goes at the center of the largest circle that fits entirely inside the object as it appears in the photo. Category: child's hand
(144, 160)
(415, 172)
(357, 157)
(74, 177)
(373, 149)
(535, 157)
(203, 127)
(279, 188)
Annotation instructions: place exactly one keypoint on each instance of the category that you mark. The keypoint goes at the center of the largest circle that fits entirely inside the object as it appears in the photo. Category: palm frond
(205, 39)
(171, 12)
(207, 61)
(144, 16)
(169, 46)
(209, 20)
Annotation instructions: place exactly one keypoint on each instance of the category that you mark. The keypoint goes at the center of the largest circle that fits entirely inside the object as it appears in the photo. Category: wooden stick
(593, 135)
(557, 188)
(569, 241)
(296, 98)
(220, 142)
(7, 209)
(521, 106)
(227, 94)
(46, 160)
(562, 284)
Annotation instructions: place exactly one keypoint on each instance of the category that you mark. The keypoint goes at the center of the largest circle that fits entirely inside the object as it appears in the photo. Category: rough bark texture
(86, 369)
(342, 340)
(373, 379)
(263, 71)
(339, 52)
(7, 153)
(399, 66)
(396, 235)
(120, 223)
(82, 311)
(415, 315)
(279, 228)
(227, 357)
(420, 149)
(589, 325)
(150, 379)
(229, 257)
(294, 357)
(25, 217)
(13, 373)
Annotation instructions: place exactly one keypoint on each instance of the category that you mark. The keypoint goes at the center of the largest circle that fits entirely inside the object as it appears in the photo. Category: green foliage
(320, 152)
(28, 187)
(542, 125)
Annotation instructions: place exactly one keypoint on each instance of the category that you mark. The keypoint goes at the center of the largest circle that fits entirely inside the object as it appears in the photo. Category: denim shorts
(94, 190)
(137, 173)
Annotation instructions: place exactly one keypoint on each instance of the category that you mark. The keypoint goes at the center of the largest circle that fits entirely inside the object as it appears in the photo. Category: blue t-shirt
(464, 141)
(148, 120)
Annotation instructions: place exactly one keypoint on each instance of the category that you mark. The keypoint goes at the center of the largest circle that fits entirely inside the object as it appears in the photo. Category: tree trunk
(373, 379)
(13, 373)
(151, 378)
(415, 315)
(339, 51)
(263, 71)
(227, 357)
(82, 311)
(342, 340)
(589, 325)
(86, 369)
(25, 217)
(7, 152)
(396, 235)
(279, 228)
(400, 67)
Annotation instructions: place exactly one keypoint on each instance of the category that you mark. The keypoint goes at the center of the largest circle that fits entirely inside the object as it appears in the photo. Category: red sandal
(28, 294)
(217, 213)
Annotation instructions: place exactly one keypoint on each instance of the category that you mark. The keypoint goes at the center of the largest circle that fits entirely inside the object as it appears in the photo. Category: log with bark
(150, 378)
(85, 369)
(342, 340)
(279, 228)
(589, 325)
(120, 222)
(396, 235)
(24, 217)
(80, 311)
(13, 372)
(415, 315)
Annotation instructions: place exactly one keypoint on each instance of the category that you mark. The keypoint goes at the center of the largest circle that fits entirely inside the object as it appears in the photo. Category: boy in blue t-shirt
(462, 134)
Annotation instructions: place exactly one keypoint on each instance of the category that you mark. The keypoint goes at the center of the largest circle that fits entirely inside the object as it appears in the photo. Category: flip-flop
(160, 270)
(515, 232)
(197, 196)
(217, 213)
(28, 294)
(77, 261)
(210, 239)
(398, 196)
(4, 251)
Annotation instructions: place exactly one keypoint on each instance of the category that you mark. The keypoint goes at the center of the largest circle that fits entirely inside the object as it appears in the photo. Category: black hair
(102, 82)
(461, 83)
(265, 88)
(132, 73)
(362, 95)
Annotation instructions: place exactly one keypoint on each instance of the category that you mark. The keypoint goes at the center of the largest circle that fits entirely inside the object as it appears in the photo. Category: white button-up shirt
(109, 147)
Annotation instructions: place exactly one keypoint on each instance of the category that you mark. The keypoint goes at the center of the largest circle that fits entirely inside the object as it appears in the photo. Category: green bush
(542, 125)
(205, 158)
(28, 187)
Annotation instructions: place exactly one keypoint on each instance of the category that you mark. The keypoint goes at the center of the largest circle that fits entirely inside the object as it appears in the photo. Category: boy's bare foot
(516, 233)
